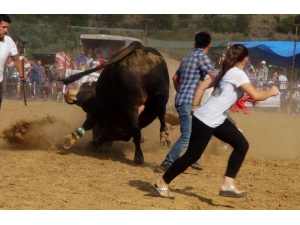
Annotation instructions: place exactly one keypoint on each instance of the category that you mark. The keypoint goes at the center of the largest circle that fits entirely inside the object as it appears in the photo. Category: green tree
(286, 25)
(185, 16)
(112, 19)
(79, 19)
(241, 24)
(221, 24)
(160, 21)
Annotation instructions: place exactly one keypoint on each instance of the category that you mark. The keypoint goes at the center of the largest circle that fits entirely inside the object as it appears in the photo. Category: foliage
(241, 24)
(285, 25)
(160, 21)
(114, 20)
(185, 16)
(60, 32)
(218, 23)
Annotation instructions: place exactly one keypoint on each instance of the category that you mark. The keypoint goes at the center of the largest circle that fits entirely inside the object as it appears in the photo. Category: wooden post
(292, 72)
(145, 30)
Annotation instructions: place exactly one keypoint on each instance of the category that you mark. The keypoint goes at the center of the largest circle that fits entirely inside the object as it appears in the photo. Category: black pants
(200, 136)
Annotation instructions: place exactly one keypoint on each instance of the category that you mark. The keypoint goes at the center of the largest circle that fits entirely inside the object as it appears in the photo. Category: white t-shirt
(283, 80)
(7, 48)
(216, 109)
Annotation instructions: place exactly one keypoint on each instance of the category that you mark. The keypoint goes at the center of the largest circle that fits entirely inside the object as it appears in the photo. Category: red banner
(60, 59)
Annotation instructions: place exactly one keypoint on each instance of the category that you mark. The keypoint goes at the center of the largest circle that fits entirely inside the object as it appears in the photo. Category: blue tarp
(274, 52)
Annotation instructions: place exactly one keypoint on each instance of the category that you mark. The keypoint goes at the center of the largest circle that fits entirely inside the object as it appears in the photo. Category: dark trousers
(200, 136)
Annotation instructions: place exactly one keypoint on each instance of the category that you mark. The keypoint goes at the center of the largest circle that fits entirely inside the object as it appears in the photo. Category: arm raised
(259, 95)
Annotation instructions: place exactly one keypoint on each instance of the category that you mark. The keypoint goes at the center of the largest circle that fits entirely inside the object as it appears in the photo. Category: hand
(194, 108)
(23, 78)
(244, 97)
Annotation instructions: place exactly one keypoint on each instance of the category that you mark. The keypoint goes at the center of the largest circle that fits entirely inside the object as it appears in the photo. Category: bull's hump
(142, 62)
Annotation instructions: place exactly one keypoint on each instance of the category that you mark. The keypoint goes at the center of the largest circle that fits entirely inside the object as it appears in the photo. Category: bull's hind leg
(165, 137)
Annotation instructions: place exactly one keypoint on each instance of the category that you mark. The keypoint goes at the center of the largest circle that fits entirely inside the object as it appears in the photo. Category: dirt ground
(37, 173)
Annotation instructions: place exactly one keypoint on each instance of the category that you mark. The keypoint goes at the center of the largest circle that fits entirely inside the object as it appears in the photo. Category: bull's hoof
(163, 140)
(144, 139)
(169, 141)
(69, 140)
(170, 144)
(93, 146)
(139, 160)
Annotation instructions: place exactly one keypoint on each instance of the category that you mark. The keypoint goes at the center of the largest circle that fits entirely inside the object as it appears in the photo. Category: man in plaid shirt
(192, 70)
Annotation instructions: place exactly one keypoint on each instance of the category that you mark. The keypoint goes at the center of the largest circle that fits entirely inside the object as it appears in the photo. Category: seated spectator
(273, 81)
(297, 81)
(296, 101)
(282, 79)
(262, 72)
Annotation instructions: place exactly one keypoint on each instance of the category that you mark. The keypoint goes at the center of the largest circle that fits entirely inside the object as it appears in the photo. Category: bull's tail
(118, 56)
(77, 76)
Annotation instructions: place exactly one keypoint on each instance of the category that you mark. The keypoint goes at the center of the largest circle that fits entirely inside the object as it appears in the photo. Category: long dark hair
(236, 53)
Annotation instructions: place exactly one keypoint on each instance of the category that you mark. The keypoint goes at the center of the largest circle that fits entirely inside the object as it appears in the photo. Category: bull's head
(81, 95)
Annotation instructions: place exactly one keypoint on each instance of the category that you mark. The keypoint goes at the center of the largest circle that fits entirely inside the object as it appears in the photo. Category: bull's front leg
(71, 139)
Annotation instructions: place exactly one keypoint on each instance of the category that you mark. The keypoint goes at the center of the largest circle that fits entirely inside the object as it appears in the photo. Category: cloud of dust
(41, 133)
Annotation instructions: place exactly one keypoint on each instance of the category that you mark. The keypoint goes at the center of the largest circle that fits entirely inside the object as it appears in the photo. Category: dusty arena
(37, 173)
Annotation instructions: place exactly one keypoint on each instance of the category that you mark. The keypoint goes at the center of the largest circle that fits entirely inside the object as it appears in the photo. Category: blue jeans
(185, 130)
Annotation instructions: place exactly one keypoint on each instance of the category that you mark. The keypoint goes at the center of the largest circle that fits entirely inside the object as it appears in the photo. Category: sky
(158, 7)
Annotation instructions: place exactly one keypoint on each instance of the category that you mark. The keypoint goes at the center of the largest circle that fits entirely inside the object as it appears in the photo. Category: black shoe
(197, 166)
(161, 168)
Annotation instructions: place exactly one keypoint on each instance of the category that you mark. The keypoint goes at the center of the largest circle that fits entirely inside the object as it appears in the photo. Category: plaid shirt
(192, 70)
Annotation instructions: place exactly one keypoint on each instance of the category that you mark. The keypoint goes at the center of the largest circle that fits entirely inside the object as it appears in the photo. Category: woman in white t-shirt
(211, 119)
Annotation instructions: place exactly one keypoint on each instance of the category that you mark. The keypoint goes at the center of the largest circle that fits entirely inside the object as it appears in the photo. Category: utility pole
(292, 72)
(145, 30)
(66, 45)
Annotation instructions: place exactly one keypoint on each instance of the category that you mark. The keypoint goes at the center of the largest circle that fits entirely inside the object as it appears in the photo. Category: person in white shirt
(282, 79)
(89, 61)
(7, 48)
(211, 119)
(262, 72)
(296, 100)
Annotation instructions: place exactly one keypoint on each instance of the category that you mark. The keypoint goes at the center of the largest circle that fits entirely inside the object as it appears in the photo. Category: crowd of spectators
(83, 62)
(263, 79)
(40, 82)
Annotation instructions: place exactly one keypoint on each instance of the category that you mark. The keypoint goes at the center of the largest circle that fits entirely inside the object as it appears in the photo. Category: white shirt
(216, 109)
(283, 80)
(7, 48)
(296, 95)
